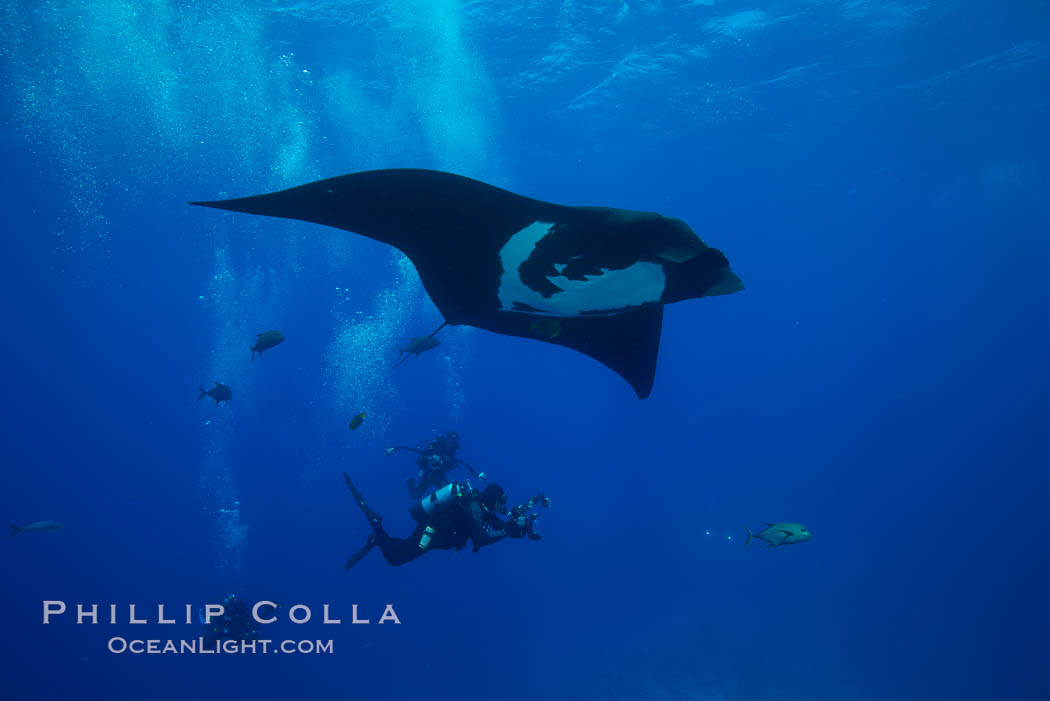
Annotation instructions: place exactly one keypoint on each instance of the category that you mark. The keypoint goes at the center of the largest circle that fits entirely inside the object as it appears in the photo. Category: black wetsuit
(435, 461)
(464, 519)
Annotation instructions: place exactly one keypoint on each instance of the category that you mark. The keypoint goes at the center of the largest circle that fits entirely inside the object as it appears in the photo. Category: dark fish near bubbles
(265, 341)
(220, 393)
(417, 345)
(420, 344)
(499, 261)
(356, 422)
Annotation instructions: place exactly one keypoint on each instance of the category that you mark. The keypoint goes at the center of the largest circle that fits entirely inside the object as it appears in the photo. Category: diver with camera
(446, 519)
(521, 520)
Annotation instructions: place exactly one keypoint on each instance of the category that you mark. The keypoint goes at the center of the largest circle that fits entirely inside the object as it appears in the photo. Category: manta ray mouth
(727, 284)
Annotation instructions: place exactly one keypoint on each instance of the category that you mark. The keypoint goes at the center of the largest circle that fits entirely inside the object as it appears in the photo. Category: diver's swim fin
(360, 554)
(374, 519)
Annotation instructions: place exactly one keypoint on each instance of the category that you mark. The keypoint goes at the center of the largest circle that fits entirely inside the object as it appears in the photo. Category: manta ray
(503, 262)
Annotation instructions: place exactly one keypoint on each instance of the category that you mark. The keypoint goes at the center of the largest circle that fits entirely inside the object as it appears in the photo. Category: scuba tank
(439, 501)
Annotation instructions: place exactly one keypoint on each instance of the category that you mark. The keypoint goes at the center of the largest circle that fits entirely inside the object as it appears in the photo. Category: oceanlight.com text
(199, 646)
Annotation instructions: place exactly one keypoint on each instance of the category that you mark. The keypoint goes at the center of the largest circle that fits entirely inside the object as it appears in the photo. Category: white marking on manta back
(610, 292)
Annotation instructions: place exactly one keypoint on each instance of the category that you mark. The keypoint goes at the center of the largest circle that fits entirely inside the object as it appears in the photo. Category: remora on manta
(502, 262)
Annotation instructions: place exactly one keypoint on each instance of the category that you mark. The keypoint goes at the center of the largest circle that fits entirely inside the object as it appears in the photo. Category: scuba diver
(435, 460)
(235, 623)
(447, 519)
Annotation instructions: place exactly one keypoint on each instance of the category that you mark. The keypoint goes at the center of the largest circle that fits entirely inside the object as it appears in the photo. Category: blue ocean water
(878, 173)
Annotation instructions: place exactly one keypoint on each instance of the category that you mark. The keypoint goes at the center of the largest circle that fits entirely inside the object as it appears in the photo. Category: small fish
(357, 421)
(265, 341)
(38, 527)
(779, 534)
(220, 393)
(547, 328)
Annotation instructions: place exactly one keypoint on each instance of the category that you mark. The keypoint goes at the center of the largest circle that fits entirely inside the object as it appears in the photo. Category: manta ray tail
(433, 333)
